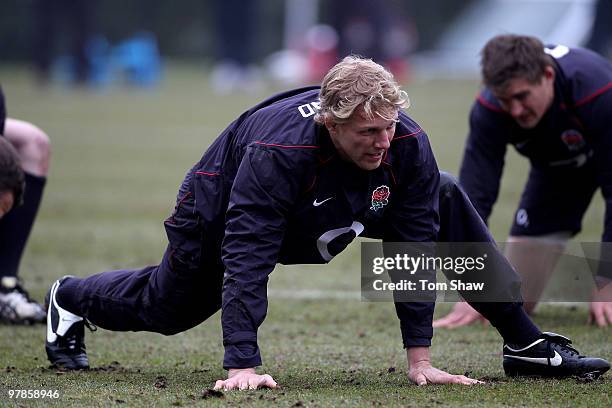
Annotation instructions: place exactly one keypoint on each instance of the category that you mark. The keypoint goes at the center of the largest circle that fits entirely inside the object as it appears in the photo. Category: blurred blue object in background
(98, 50)
(137, 59)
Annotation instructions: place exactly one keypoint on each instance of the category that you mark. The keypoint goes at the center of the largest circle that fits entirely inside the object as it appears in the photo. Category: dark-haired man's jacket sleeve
(483, 159)
(414, 218)
(598, 118)
(263, 192)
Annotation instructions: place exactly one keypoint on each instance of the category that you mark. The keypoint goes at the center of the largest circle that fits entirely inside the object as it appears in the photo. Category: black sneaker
(16, 306)
(65, 343)
(552, 356)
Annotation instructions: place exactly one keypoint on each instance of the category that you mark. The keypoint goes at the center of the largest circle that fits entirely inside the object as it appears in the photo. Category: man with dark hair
(32, 148)
(294, 180)
(553, 104)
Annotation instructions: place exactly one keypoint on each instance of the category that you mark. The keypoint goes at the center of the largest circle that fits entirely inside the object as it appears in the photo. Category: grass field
(119, 156)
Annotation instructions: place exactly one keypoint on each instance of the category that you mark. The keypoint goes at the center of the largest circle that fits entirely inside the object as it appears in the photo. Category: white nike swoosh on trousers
(318, 203)
(555, 361)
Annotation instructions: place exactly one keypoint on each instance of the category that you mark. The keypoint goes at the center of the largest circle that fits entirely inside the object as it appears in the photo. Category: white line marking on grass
(302, 294)
(306, 294)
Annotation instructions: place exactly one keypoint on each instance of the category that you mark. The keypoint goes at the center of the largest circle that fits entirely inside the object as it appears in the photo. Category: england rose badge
(380, 198)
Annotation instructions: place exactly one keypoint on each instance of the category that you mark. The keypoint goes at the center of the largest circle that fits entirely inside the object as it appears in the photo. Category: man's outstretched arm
(264, 189)
(597, 112)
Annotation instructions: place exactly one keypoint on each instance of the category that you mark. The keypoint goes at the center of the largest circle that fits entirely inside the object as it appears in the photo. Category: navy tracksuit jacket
(255, 190)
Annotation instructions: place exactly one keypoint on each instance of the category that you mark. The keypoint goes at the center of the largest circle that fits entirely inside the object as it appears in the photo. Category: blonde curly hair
(355, 82)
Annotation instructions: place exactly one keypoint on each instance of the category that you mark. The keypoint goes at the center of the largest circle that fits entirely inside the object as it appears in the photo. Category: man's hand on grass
(462, 315)
(245, 379)
(600, 308)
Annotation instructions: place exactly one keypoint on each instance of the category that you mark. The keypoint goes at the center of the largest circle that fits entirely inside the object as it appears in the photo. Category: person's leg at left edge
(32, 145)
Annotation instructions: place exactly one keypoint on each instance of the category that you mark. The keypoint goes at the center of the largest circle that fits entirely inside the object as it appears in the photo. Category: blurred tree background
(184, 28)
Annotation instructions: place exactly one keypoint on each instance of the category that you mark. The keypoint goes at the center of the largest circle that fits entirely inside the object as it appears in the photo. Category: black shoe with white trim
(551, 356)
(65, 344)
